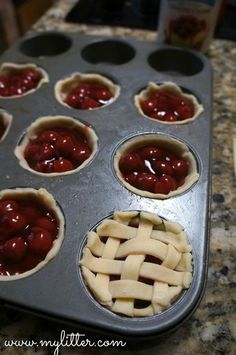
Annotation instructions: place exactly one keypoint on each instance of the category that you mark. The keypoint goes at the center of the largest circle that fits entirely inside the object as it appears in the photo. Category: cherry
(81, 153)
(170, 117)
(151, 153)
(47, 224)
(102, 94)
(170, 157)
(180, 167)
(5, 91)
(31, 213)
(46, 151)
(7, 206)
(31, 150)
(148, 106)
(185, 110)
(31, 74)
(82, 90)
(146, 181)
(13, 222)
(49, 136)
(64, 146)
(164, 185)
(39, 240)
(89, 103)
(161, 167)
(15, 249)
(73, 100)
(62, 165)
(131, 162)
(131, 178)
(17, 90)
(44, 166)
(3, 82)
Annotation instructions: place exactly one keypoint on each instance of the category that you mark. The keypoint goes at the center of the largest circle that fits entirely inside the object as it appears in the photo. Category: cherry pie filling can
(188, 24)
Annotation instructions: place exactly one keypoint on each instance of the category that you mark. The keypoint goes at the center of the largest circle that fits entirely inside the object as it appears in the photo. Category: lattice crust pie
(31, 231)
(86, 91)
(18, 80)
(136, 263)
(5, 123)
(167, 103)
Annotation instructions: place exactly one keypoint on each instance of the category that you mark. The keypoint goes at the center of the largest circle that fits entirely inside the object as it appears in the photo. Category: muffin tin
(94, 192)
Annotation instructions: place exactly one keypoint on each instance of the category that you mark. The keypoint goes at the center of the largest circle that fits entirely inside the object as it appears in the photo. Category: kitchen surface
(212, 328)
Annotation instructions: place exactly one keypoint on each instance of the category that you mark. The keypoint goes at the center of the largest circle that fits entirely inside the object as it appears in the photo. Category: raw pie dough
(173, 88)
(169, 143)
(49, 202)
(48, 122)
(131, 236)
(7, 121)
(12, 67)
(65, 86)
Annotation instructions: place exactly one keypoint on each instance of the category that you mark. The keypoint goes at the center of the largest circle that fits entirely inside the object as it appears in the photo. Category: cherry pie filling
(18, 82)
(87, 95)
(57, 150)
(27, 232)
(154, 169)
(167, 106)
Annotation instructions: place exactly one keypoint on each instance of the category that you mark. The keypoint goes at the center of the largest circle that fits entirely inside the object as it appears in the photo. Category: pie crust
(13, 67)
(48, 122)
(173, 88)
(117, 270)
(165, 142)
(49, 202)
(7, 121)
(65, 86)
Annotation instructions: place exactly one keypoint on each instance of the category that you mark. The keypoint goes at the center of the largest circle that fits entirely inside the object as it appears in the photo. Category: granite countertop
(212, 328)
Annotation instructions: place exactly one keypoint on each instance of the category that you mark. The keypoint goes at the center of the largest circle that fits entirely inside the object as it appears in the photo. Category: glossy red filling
(88, 95)
(27, 232)
(187, 26)
(164, 105)
(2, 128)
(17, 83)
(154, 169)
(57, 150)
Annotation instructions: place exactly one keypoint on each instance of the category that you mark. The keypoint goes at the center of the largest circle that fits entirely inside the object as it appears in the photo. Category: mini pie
(56, 145)
(136, 264)
(148, 174)
(32, 231)
(5, 123)
(86, 91)
(167, 103)
(17, 80)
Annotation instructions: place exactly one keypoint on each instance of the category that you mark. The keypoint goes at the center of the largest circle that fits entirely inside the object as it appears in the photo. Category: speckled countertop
(212, 329)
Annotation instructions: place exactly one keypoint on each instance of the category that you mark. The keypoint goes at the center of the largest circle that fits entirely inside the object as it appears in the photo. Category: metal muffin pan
(94, 192)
